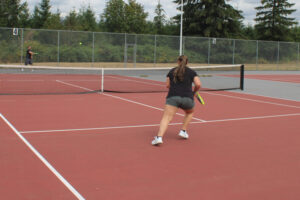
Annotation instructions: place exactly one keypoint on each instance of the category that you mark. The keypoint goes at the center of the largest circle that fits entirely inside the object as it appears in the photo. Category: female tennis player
(181, 95)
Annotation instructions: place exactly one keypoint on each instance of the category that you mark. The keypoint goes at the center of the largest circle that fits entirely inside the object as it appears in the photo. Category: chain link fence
(95, 49)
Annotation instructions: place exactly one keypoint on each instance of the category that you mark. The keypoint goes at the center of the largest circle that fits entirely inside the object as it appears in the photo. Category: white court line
(124, 99)
(250, 118)
(50, 167)
(283, 80)
(72, 85)
(156, 125)
(247, 99)
(99, 128)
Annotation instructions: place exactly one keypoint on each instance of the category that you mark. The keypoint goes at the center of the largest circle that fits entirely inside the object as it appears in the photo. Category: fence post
(155, 50)
(58, 39)
(256, 55)
(93, 52)
(233, 51)
(298, 58)
(208, 56)
(22, 45)
(278, 46)
(125, 51)
(135, 49)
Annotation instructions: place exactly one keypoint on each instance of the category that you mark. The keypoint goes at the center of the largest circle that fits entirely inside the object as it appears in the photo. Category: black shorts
(28, 61)
(184, 103)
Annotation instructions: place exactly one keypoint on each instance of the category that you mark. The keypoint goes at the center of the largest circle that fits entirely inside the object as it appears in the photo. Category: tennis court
(291, 78)
(97, 145)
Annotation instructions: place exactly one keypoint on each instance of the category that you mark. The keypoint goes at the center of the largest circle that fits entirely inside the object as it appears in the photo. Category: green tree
(121, 17)
(113, 17)
(54, 21)
(135, 17)
(272, 20)
(248, 32)
(171, 28)
(35, 20)
(24, 19)
(160, 18)
(210, 18)
(45, 11)
(87, 19)
(71, 21)
(11, 12)
(41, 14)
(295, 31)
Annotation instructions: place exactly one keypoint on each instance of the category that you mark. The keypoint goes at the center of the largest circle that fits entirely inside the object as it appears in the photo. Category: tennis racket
(199, 98)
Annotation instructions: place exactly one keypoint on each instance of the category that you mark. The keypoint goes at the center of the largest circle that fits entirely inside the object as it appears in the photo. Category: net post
(102, 79)
(242, 77)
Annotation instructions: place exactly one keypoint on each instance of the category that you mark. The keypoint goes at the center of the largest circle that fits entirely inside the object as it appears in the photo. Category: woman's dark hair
(179, 71)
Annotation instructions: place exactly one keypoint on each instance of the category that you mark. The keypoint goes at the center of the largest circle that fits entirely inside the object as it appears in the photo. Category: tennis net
(25, 80)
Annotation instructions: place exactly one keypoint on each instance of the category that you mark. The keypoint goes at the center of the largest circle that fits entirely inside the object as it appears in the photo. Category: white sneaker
(157, 140)
(183, 134)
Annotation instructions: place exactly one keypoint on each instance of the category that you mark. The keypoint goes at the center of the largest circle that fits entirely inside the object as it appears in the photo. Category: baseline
(156, 125)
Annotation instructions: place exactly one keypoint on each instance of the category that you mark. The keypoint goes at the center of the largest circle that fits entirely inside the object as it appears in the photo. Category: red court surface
(291, 78)
(97, 146)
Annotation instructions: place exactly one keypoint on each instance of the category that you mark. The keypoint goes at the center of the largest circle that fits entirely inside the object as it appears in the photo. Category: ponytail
(179, 71)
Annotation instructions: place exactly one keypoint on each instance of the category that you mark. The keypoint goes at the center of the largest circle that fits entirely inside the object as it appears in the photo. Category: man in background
(29, 55)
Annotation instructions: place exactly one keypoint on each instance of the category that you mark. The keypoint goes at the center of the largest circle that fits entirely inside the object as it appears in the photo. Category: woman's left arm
(168, 82)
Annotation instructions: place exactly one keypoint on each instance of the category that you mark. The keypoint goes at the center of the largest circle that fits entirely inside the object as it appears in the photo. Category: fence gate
(130, 50)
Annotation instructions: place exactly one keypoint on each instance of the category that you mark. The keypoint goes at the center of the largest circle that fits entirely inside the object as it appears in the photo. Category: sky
(248, 7)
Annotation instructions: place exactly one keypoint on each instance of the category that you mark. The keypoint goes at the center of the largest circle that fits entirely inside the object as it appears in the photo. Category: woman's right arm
(197, 84)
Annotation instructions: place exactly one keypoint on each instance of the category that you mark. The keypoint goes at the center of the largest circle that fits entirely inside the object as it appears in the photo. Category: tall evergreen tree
(45, 11)
(71, 21)
(41, 14)
(54, 21)
(11, 12)
(160, 18)
(87, 19)
(210, 18)
(24, 20)
(272, 20)
(35, 20)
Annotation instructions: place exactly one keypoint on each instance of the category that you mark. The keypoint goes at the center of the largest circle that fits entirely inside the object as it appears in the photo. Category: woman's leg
(168, 115)
(187, 118)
